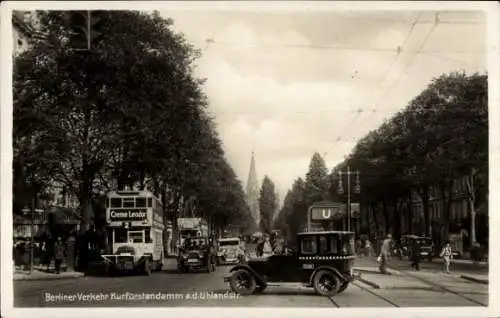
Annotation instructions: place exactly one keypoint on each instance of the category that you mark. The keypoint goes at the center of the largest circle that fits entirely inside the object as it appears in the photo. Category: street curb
(27, 277)
(475, 280)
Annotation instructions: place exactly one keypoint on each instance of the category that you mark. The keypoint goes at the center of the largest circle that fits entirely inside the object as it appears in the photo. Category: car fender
(329, 268)
(260, 280)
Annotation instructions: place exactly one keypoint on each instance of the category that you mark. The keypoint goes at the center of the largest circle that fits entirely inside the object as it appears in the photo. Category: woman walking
(447, 255)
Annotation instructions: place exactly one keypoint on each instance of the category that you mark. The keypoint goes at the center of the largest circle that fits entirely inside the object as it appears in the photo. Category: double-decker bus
(136, 229)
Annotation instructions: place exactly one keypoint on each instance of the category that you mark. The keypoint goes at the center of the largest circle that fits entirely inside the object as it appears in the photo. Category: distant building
(252, 191)
(458, 218)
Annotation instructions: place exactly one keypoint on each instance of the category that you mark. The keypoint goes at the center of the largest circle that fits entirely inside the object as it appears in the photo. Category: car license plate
(192, 260)
(425, 253)
(308, 266)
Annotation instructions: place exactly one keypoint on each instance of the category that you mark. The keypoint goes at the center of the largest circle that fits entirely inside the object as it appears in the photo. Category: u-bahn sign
(327, 212)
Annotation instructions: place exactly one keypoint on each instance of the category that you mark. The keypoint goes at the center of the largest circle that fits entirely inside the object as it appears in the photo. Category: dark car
(323, 261)
(197, 254)
(408, 243)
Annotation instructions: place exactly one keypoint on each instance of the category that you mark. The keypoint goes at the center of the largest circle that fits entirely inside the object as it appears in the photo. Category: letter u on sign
(326, 213)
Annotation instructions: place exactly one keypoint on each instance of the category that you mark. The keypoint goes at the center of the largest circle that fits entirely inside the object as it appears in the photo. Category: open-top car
(230, 251)
(196, 254)
(323, 261)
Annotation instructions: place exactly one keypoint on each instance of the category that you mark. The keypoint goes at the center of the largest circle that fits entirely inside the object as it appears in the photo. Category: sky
(288, 84)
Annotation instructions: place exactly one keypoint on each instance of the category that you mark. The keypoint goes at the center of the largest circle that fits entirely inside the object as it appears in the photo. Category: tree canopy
(438, 140)
(267, 205)
(292, 216)
(426, 148)
(130, 111)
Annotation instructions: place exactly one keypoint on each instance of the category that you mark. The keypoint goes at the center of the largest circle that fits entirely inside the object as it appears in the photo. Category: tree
(267, 204)
(316, 183)
(130, 112)
(439, 138)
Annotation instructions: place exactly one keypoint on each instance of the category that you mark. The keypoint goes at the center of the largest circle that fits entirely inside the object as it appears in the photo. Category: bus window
(116, 202)
(150, 202)
(147, 234)
(136, 236)
(128, 202)
(140, 202)
(120, 235)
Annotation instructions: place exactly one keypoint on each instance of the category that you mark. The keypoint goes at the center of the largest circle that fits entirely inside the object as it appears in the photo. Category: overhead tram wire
(403, 72)
(384, 78)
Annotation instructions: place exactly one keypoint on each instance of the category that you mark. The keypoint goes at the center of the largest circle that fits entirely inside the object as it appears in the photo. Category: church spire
(252, 190)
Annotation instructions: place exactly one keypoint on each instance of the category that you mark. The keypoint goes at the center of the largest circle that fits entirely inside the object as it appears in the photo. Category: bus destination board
(128, 215)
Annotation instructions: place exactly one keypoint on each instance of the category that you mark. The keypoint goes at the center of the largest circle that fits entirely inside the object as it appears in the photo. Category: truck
(191, 227)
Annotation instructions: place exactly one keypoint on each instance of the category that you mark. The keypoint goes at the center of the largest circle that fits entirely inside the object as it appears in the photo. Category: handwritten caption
(128, 296)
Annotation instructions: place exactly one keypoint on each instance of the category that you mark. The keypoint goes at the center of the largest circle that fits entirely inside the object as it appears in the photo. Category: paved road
(183, 289)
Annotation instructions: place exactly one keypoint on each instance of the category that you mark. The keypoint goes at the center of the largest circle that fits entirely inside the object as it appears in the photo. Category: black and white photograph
(247, 155)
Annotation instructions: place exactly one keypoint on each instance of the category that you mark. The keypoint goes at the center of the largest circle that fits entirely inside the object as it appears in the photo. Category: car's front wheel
(243, 282)
(326, 283)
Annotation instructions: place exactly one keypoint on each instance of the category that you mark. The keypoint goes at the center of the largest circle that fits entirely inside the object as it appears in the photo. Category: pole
(308, 220)
(348, 199)
(88, 30)
(32, 236)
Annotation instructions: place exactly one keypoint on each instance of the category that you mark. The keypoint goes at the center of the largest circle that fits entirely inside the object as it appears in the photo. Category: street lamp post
(357, 189)
(31, 211)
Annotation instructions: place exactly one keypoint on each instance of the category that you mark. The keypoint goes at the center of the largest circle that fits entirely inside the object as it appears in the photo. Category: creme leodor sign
(128, 215)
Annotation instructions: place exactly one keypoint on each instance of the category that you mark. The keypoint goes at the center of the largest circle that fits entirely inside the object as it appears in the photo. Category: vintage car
(195, 255)
(323, 261)
(426, 247)
(230, 251)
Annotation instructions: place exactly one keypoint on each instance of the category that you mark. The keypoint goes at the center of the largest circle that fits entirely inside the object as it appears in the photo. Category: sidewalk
(370, 275)
(42, 275)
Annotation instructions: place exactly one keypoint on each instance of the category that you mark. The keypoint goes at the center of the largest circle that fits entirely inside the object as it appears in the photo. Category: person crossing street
(415, 256)
(385, 251)
(447, 255)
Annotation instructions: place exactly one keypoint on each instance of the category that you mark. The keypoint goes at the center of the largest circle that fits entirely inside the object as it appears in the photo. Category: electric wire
(384, 78)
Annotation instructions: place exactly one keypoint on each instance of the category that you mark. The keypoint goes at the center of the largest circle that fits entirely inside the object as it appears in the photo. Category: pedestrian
(58, 254)
(415, 256)
(260, 248)
(385, 251)
(447, 255)
(267, 248)
(368, 248)
(46, 256)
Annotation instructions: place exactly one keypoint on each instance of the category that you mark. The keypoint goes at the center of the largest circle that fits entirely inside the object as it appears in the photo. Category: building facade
(459, 218)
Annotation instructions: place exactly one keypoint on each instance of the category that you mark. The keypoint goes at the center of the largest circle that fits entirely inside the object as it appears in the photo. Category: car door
(281, 267)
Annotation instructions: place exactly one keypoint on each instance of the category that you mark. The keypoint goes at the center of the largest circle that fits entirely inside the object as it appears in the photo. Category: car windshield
(229, 243)
(424, 241)
(188, 233)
